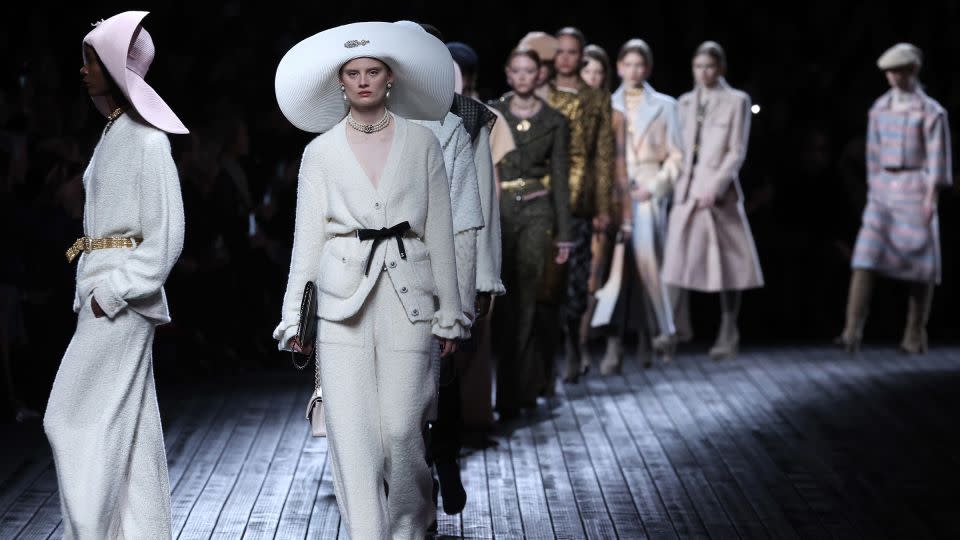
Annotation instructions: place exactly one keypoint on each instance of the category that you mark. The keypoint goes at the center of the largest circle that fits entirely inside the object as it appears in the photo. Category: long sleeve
(938, 166)
(143, 273)
(559, 178)
(488, 239)
(449, 321)
(670, 168)
(622, 186)
(603, 161)
(737, 149)
(464, 188)
(873, 146)
(308, 237)
(465, 249)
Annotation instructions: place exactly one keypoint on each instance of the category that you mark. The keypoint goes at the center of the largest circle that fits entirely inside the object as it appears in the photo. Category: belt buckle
(87, 244)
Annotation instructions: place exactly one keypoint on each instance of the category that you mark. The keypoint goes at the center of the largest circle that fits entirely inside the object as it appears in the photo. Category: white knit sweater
(335, 199)
(464, 200)
(132, 190)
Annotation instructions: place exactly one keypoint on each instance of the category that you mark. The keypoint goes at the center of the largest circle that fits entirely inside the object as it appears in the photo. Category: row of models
(393, 197)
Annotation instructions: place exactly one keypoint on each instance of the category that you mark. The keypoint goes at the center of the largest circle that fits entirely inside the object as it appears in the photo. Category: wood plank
(677, 503)
(643, 489)
(840, 383)
(46, 520)
(795, 448)
(557, 485)
(30, 443)
(715, 462)
(476, 514)
(236, 510)
(297, 509)
(210, 446)
(209, 505)
(265, 515)
(530, 491)
(839, 503)
(181, 452)
(596, 518)
(773, 496)
(616, 493)
(24, 475)
(693, 479)
(501, 485)
(28, 503)
(325, 520)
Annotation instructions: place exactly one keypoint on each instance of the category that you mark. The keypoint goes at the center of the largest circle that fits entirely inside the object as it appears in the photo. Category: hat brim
(112, 40)
(308, 87)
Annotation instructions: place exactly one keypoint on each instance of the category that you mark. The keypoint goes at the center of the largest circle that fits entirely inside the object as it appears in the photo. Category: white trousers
(377, 389)
(103, 425)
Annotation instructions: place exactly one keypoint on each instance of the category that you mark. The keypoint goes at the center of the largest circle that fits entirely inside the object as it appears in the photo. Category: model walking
(709, 245)
(908, 161)
(374, 231)
(102, 419)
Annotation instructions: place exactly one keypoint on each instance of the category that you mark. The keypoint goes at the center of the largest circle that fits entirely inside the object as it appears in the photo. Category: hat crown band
(141, 53)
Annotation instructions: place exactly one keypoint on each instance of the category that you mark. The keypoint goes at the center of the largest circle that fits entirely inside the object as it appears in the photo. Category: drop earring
(389, 87)
(343, 90)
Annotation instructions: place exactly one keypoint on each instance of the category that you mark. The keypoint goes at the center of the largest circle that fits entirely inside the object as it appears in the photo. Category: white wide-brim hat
(126, 51)
(308, 84)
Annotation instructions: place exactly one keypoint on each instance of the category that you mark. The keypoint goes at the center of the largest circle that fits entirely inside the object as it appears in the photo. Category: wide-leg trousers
(377, 388)
(103, 425)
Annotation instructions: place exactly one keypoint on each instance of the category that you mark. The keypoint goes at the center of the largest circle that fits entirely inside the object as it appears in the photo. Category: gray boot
(918, 312)
(858, 305)
(728, 338)
(612, 362)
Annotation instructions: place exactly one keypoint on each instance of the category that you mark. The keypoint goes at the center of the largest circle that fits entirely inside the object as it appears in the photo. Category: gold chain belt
(87, 244)
(518, 184)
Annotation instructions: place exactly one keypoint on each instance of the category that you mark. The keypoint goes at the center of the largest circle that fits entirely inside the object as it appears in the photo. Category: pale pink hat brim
(112, 40)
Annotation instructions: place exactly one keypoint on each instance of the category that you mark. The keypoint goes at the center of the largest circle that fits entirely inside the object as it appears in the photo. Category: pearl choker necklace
(369, 128)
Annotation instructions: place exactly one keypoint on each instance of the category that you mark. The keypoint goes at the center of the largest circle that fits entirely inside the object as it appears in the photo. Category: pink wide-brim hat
(126, 51)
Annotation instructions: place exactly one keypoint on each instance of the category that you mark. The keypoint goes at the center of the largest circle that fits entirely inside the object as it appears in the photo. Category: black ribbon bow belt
(377, 235)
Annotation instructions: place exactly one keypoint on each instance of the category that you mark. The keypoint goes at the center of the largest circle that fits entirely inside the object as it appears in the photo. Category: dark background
(810, 66)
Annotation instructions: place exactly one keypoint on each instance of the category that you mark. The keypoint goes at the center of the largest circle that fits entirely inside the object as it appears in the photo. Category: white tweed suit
(102, 418)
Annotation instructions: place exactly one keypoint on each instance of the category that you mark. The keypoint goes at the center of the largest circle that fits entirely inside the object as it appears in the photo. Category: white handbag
(607, 295)
(318, 424)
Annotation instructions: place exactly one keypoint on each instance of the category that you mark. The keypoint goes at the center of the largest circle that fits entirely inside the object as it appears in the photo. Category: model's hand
(563, 253)
(97, 310)
(447, 347)
(601, 222)
(641, 194)
(295, 346)
(484, 305)
(706, 201)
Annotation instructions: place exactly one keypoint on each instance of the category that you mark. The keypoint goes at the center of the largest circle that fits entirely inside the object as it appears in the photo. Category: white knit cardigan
(132, 190)
(335, 198)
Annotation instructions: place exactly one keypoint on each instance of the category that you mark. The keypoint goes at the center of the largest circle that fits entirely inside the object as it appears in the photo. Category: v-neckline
(387, 172)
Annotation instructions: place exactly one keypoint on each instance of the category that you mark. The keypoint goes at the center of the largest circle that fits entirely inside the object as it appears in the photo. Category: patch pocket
(412, 336)
(348, 332)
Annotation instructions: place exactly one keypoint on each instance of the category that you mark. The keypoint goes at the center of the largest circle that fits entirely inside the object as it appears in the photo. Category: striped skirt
(895, 240)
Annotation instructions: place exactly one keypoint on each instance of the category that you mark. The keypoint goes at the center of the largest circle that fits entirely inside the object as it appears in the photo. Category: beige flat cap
(543, 43)
(900, 55)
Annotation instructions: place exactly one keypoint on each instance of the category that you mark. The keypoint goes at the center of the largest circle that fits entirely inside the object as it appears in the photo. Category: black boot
(451, 487)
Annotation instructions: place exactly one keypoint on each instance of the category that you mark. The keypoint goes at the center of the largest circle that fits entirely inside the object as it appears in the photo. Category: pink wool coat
(712, 249)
